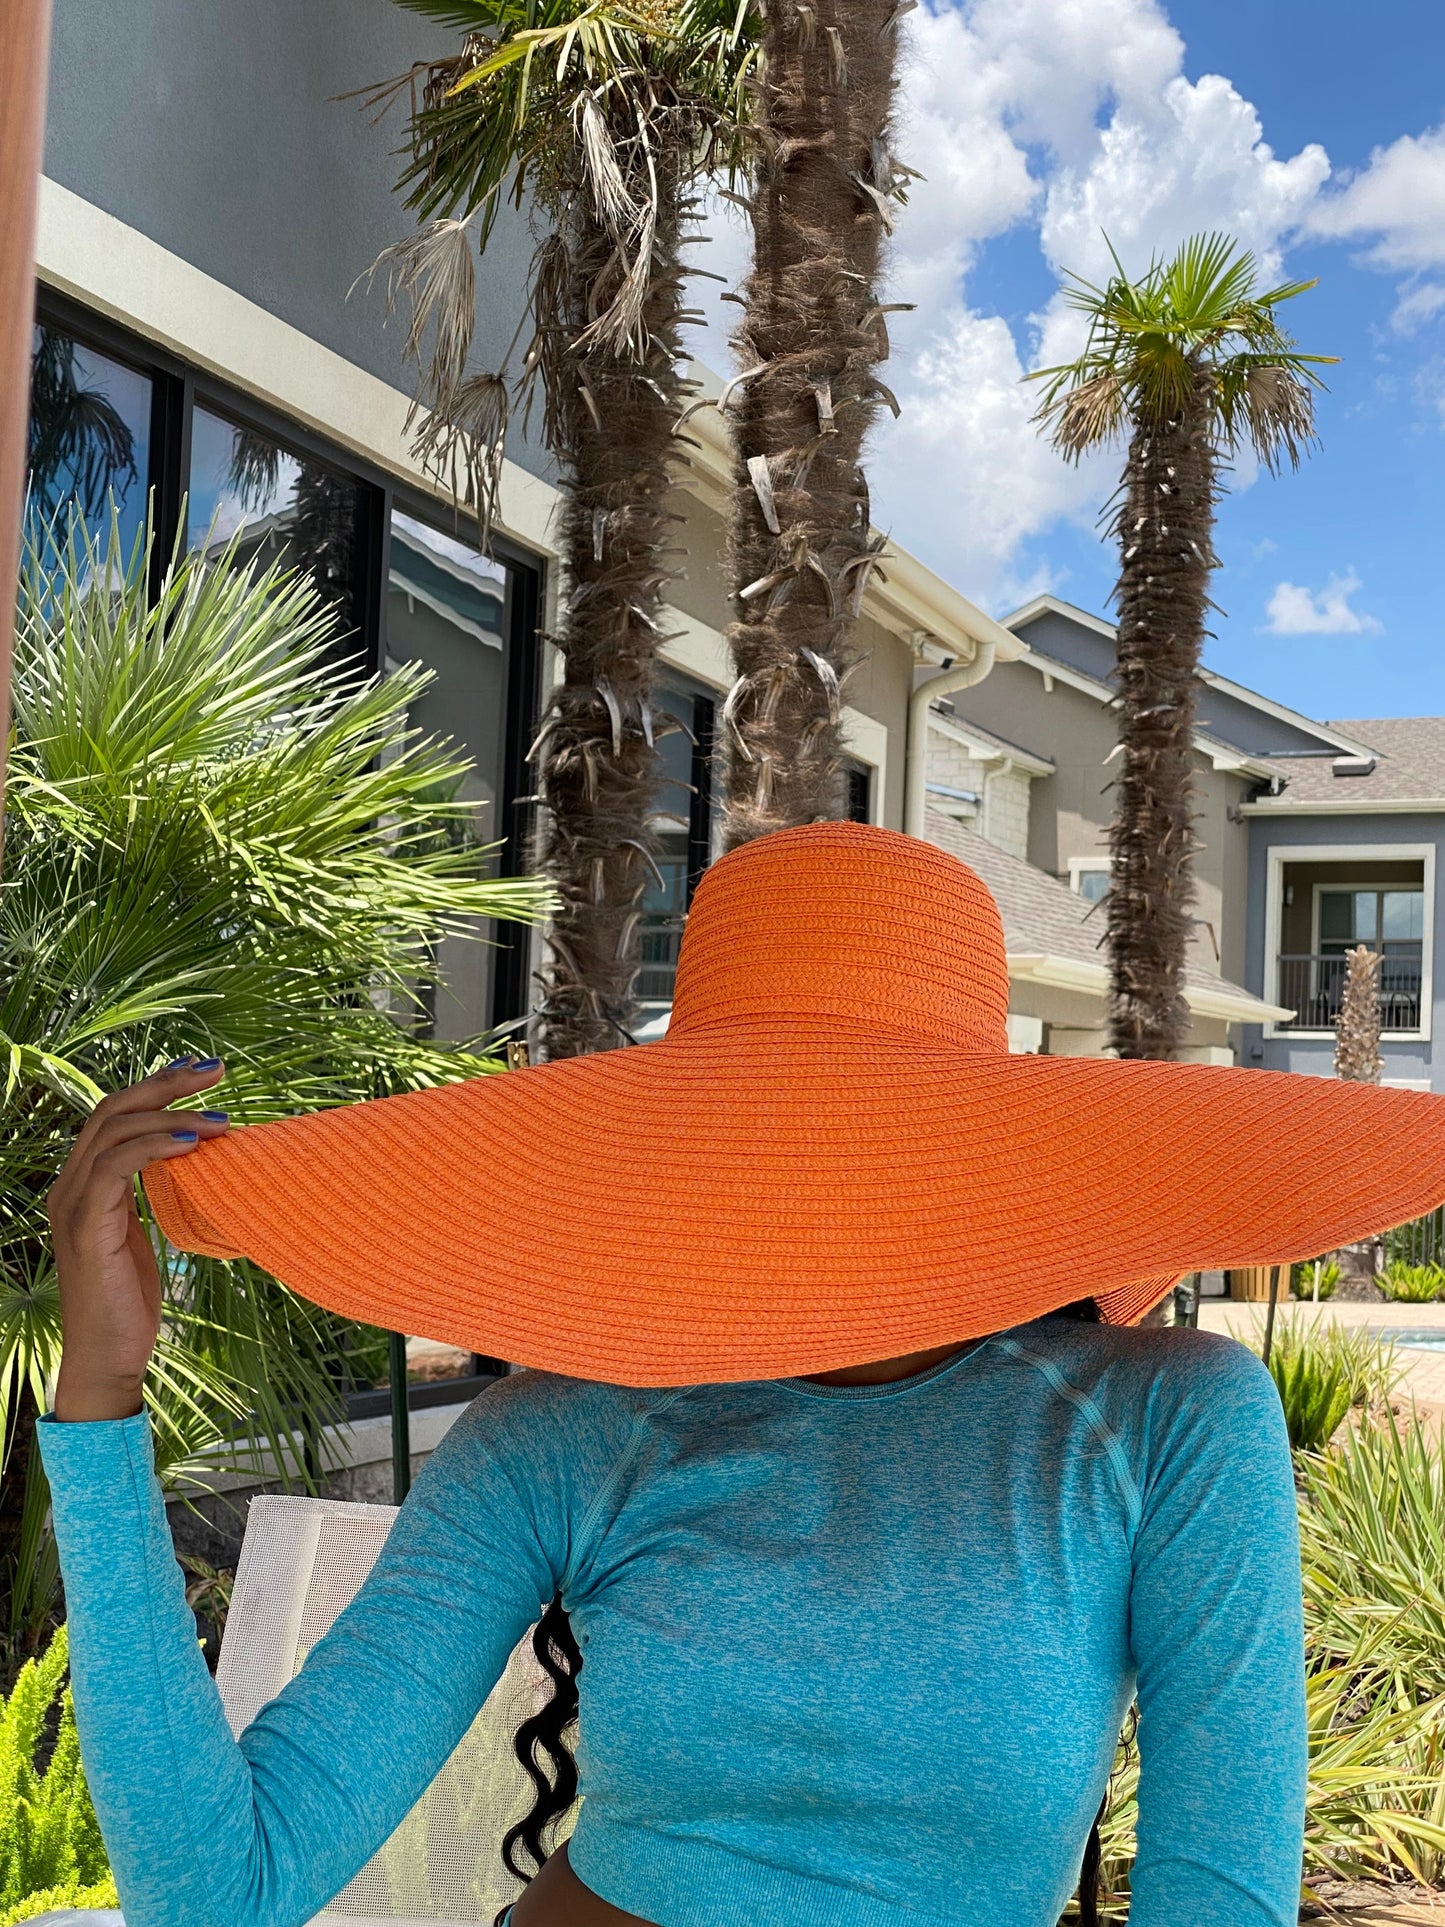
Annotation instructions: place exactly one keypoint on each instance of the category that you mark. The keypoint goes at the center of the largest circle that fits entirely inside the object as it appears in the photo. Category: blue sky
(1313, 130)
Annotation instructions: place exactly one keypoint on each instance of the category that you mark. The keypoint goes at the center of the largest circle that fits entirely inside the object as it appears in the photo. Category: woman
(867, 1537)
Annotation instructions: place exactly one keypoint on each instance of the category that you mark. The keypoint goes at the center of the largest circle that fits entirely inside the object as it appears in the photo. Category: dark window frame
(177, 389)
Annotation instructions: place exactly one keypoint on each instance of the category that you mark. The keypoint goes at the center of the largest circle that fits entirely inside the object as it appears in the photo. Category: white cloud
(1397, 202)
(1077, 119)
(1417, 306)
(1062, 119)
(1294, 611)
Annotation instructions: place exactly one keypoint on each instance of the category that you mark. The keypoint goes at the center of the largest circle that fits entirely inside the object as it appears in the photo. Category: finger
(114, 1168)
(186, 1077)
(123, 1127)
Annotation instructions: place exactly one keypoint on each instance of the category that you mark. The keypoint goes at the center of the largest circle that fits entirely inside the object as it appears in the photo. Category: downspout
(915, 760)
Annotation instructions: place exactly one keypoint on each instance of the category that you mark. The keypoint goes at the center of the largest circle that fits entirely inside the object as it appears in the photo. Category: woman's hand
(110, 1290)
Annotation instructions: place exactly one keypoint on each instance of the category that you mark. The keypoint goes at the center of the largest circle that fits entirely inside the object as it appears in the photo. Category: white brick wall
(1003, 816)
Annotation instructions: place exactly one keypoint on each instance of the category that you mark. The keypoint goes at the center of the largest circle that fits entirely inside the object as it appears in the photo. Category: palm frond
(1190, 332)
(215, 843)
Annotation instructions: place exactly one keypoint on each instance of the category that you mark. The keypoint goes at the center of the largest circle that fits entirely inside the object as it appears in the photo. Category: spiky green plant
(214, 844)
(1411, 1284)
(606, 114)
(1189, 362)
(50, 1844)
(1316, 1278)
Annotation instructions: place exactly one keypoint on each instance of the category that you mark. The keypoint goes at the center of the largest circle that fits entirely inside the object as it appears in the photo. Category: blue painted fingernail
(217, 1117)
(176, 1062)
(207, 1064)
(186, 1137)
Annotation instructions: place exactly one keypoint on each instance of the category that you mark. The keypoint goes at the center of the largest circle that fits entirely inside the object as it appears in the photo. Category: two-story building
(1314, 837)
(1343, 851)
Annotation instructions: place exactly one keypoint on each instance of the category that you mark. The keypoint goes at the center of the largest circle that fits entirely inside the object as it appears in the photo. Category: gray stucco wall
(215, 129)
(1405, 1060)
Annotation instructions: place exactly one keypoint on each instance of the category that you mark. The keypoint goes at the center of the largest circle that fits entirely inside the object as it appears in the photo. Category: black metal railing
(661, 939)
(1314, 989)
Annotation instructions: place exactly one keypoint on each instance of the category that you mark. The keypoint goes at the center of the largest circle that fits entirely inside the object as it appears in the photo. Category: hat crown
(849, 926)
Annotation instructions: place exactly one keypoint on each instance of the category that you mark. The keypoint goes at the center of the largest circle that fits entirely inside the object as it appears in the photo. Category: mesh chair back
(301, 1563)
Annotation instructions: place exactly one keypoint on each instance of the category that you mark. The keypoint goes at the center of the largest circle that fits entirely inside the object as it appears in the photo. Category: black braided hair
(549, 1732)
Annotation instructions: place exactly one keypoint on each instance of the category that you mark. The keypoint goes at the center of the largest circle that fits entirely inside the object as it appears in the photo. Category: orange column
(24, 45)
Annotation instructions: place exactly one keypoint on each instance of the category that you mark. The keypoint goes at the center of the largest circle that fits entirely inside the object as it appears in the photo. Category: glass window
(291, 509)
(1091, 884)
(89, 441)
(685, 824)
(860, 793)
(1374, 917)
(1402, 916)
(446, 608)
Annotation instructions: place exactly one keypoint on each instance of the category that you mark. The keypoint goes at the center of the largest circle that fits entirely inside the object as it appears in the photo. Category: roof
(944, 712)
(1051, 937)
(1235, 727)
(1409, 768)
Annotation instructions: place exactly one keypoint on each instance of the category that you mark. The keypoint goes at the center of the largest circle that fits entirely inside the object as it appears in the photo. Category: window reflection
(446, 607)
(291, 510)
(685, 827)
(89, 440)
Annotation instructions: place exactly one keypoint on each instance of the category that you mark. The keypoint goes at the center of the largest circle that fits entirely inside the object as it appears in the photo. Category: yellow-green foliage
(1411, 1284)
(49, 1840)
(102, 1894)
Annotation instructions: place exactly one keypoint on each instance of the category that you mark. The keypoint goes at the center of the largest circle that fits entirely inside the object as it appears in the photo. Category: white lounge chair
(301, 1562)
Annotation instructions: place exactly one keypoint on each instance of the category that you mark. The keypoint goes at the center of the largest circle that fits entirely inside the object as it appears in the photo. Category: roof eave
(1346, 806)
(1075, 973)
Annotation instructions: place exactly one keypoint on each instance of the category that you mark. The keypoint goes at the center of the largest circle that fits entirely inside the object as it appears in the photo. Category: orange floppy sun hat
(831, 1157)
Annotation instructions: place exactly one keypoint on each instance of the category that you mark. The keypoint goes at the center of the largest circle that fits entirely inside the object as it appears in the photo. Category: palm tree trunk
(1164, 525)
(811, 338)
(611, 417)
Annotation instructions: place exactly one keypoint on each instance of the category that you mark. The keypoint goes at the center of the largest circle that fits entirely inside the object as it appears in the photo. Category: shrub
(215, 841)
(1411, 1284)
(1302, 1281)
(50, 1844)
(1322, 1369)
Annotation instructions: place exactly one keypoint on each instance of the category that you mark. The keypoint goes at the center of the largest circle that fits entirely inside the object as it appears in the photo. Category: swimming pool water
(1413, 1338)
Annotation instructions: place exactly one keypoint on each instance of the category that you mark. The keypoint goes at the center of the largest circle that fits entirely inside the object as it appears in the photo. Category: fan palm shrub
(606, 113)
(215, 844)
(1187, 363)
(814, 332)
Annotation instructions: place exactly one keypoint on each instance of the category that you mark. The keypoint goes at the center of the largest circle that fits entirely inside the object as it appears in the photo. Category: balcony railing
(661, 939)
(1314, 988)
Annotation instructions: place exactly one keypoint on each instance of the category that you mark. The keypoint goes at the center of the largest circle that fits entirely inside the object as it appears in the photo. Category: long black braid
(550, 1730)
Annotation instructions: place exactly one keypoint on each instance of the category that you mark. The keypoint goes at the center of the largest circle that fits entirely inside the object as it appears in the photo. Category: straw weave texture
(830, 1158)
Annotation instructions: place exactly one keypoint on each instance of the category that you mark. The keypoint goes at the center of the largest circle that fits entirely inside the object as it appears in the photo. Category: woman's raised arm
(204, 1830)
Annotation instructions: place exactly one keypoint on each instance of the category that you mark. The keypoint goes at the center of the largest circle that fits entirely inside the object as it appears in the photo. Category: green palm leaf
(214, 843)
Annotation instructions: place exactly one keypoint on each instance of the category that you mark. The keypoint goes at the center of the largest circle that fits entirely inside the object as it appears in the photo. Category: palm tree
(814, 331)
(1191, 363)
(607, 114)
(217, 844)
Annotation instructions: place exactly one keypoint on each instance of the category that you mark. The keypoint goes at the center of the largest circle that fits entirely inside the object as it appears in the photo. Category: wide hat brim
(761, 1200)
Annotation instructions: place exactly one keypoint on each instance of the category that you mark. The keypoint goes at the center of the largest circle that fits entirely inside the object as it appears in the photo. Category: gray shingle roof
(1040, 914)
(1411, 764)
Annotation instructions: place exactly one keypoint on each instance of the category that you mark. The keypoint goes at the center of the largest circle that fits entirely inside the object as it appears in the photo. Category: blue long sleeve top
(852, 1656)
